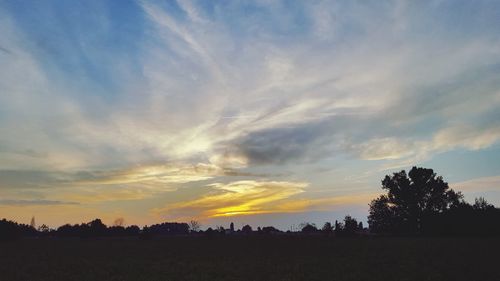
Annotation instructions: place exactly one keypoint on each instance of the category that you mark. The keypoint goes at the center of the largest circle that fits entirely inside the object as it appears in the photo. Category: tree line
(96, 228)
(415, 203)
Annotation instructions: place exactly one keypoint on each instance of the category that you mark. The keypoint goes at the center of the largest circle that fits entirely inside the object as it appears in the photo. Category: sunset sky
(261, 112)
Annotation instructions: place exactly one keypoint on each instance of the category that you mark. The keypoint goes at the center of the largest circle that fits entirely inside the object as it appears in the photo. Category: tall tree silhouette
(410, 197)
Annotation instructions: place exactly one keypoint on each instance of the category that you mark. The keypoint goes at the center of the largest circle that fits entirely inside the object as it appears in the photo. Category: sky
(254, 112)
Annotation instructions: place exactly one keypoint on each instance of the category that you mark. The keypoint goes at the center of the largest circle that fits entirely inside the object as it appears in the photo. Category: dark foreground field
(252, 258)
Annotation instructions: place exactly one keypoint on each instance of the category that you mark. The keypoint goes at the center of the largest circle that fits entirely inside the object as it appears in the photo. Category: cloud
(467, 137)
(478, 184)
(295, 90)
(16, 202)
(161, 174)
(158, 174)
(486, 187)
(25, 179)
(246, 198)
(325, 204)
(282, 145)
(383, 148)
(235, 198)
(134, 183)
(127, 107)
(409, 151)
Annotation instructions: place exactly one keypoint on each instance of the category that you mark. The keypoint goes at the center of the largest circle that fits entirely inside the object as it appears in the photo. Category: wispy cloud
(479, 184)
(15, 202)
(154, 174)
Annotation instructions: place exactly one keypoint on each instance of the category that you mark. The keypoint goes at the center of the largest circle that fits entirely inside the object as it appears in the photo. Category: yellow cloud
(253, 198)
(236, 198)
(94, 194)
(135, 183)
(168, 173)
(324, 204)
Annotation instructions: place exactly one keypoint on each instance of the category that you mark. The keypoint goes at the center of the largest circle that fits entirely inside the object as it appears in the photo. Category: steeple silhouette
(32, 223)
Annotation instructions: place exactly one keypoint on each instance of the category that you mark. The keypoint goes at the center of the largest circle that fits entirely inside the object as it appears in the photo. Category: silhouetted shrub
(247, 229)
(309, 228)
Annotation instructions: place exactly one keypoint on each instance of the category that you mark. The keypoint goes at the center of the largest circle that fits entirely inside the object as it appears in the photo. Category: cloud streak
(14, 202)
(235, 198)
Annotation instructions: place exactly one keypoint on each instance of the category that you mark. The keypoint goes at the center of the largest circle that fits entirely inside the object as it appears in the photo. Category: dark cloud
(235, 173)
(312, 141)
(304, 143)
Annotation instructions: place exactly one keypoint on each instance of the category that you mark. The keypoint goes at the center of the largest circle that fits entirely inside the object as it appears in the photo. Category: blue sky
(261, 112)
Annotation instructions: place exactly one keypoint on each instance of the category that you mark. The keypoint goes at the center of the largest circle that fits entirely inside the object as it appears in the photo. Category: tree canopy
(410, 197)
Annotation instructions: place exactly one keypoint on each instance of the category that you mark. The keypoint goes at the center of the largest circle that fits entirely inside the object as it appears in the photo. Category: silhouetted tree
(119, 222)
(220, 229)
(210, 231)
(481, 204)
(194, 226)
(95, 228)
(132, 230)
(382, 217)
(309, 228)
(145, 234)
(247, 229)
(350, 225)
(409, 198)
(270, 230)
(327, 228)
(348, 228)
(231, 227)
(13, 230)
(115, 231)
(43, 228)
(68, 230)
(9, 230)
(169, 228)
(339, 227)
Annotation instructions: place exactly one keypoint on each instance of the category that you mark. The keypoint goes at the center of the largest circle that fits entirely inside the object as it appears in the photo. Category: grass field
(251, 258)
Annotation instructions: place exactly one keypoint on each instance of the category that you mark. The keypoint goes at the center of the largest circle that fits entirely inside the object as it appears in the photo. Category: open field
(251, 258)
